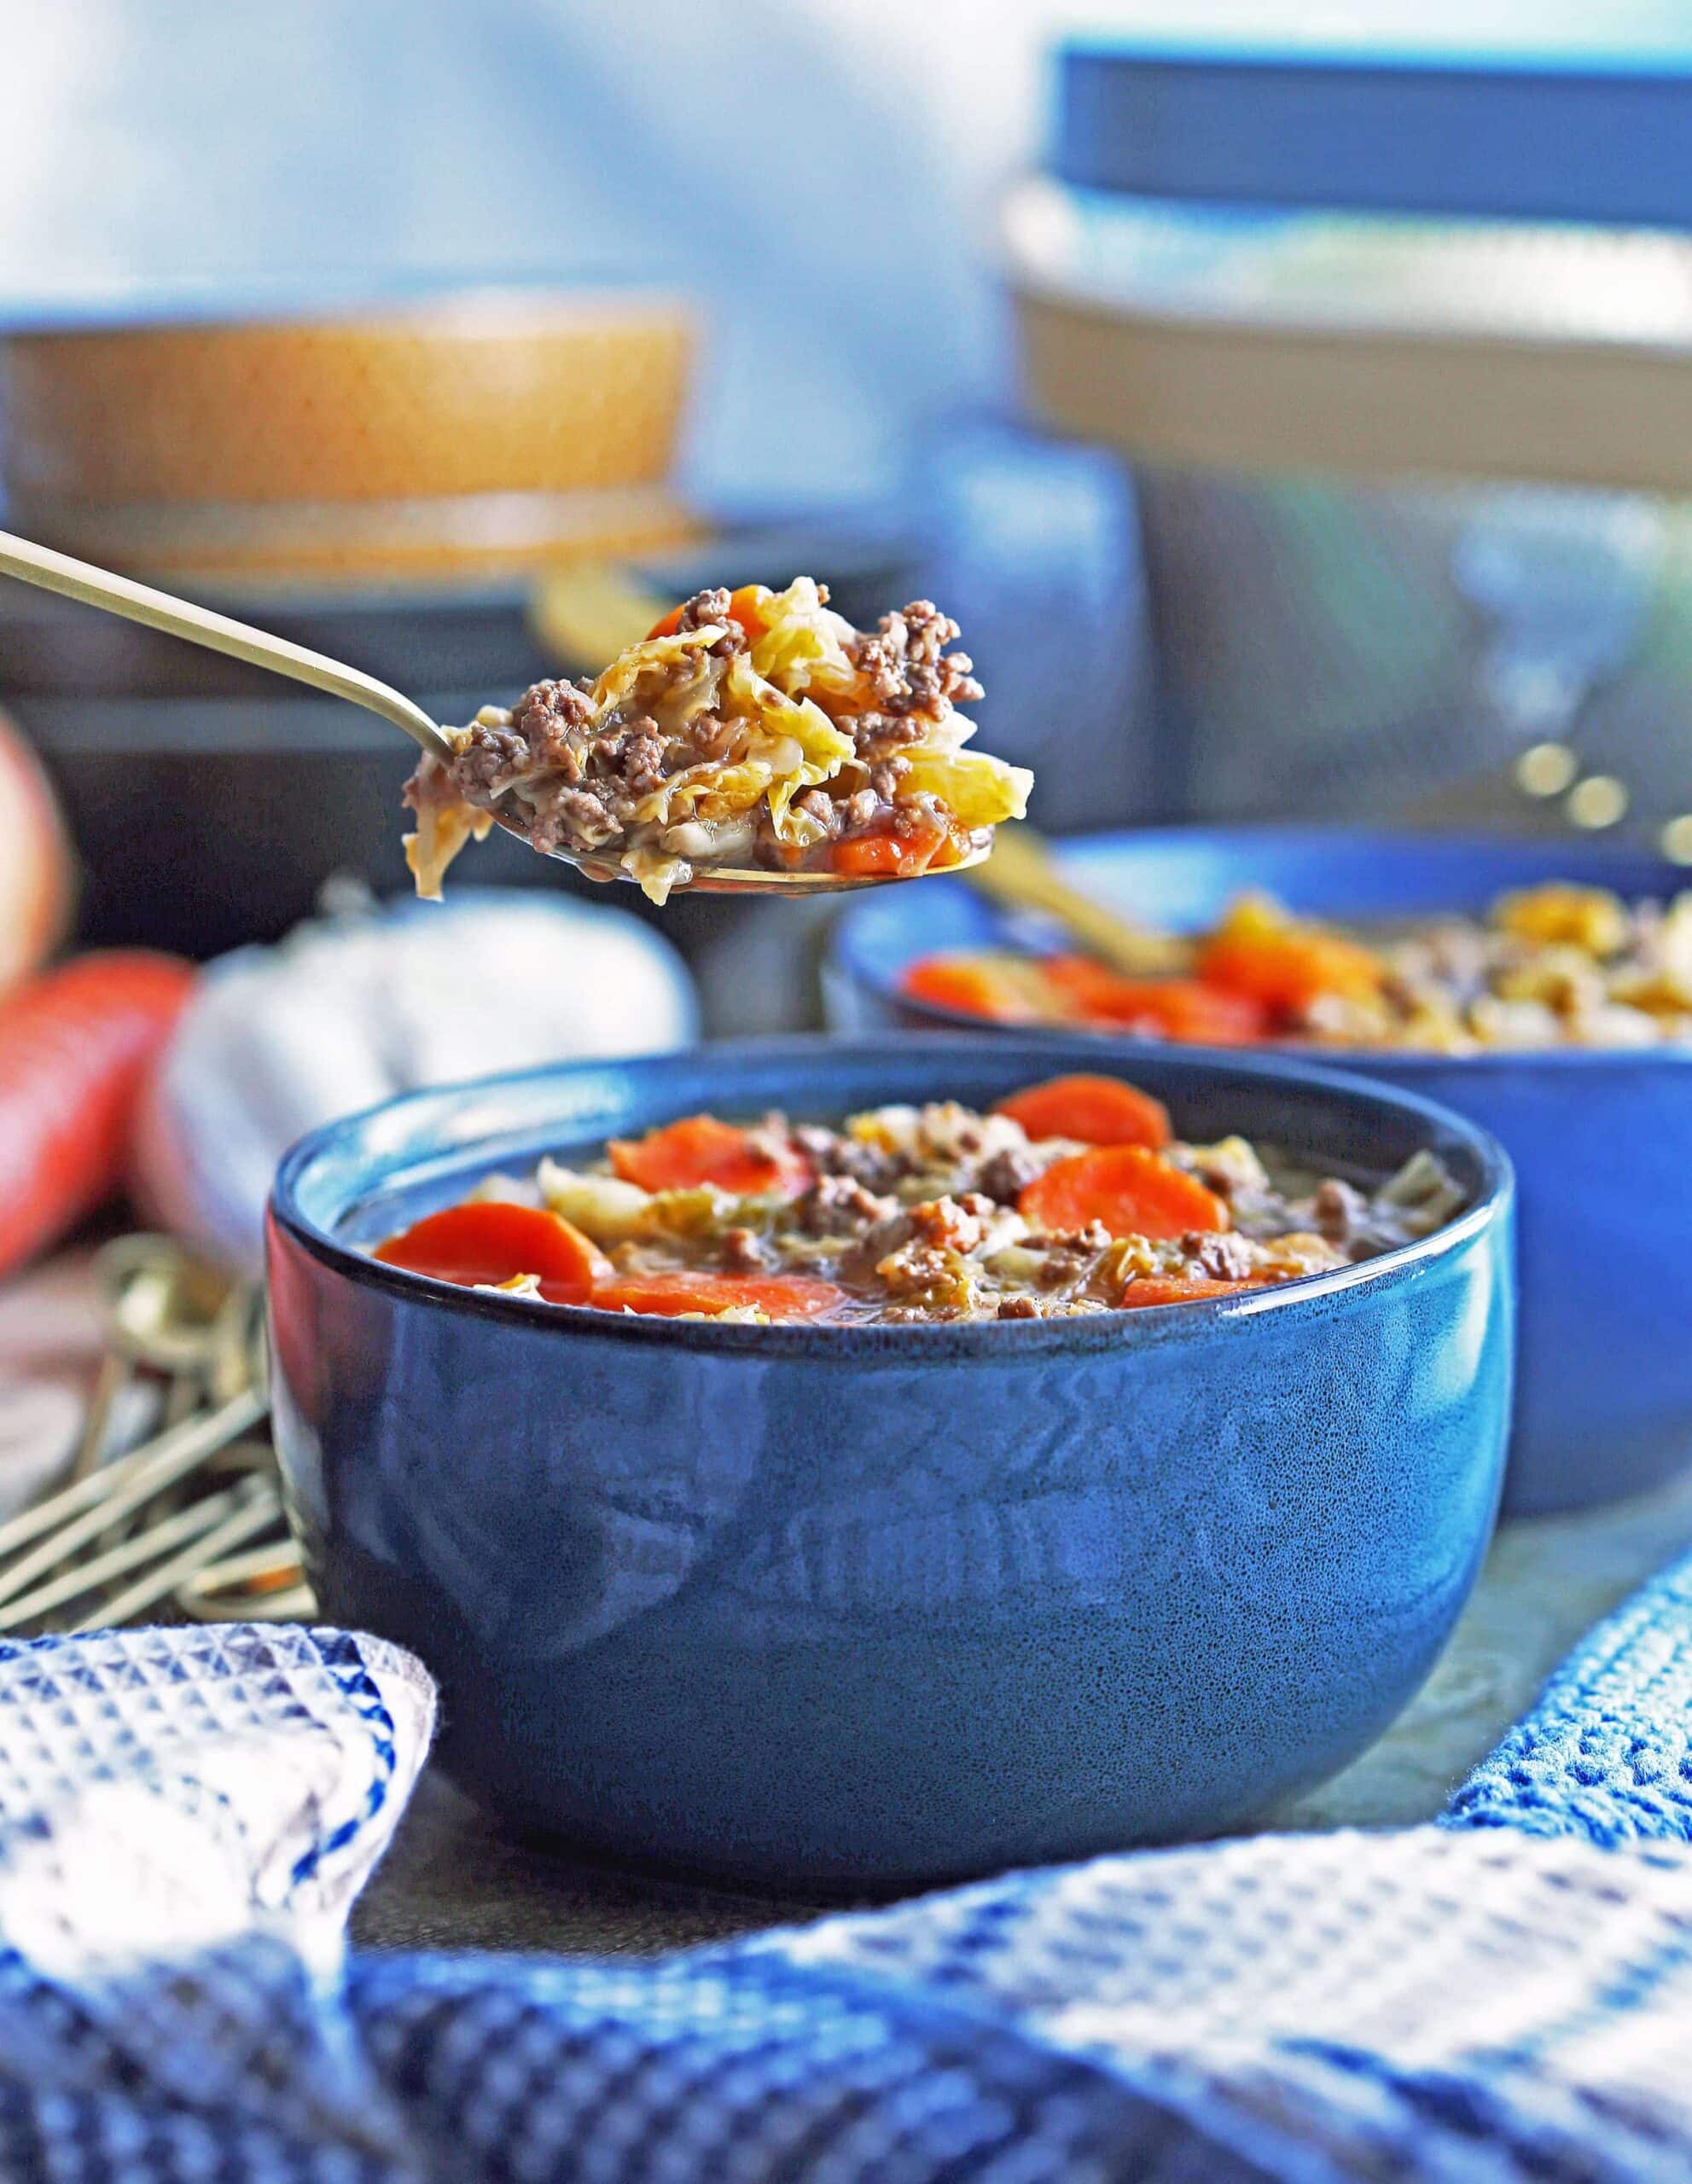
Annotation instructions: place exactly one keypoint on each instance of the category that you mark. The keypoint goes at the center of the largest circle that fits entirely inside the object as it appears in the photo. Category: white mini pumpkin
(348, 1011)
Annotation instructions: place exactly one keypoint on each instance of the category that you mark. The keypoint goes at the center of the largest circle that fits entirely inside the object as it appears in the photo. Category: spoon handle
(178, 618)
(1022, 875)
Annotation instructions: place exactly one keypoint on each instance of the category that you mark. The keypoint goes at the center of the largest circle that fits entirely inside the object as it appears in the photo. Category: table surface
(453, 1879)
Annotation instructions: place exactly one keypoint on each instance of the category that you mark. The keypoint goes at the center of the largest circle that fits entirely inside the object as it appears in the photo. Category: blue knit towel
(185, 1816)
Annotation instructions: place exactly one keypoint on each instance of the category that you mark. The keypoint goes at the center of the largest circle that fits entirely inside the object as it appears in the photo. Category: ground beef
(874, 734)
(633, 756)
(835, 1203)
(1018, 1308)
(1224, 1258)
(707, 606)
(1009, 1174)
(742, 1252)
(712, 738)
(952, 1224)
(918, 1269)
(573, 818)
(828, 814)
(907, 667)
(920, 811)
(886, 778)
(545, 717)
(1066, 1258)
(490, 760)
(832, 1154)
(1340, 1210)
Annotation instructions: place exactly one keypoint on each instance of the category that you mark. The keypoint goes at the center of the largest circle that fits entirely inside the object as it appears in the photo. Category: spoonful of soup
(755, 741)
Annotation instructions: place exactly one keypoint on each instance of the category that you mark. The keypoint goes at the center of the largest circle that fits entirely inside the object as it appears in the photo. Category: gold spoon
(179, 618)
(1024, 875)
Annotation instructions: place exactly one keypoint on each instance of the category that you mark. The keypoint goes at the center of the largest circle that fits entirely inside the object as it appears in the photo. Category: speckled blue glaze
(1601, 1141)
(852, 1607)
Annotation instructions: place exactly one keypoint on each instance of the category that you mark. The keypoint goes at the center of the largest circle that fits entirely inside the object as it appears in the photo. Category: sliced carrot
(699, 1150)
(1177, 1289)
(889, 855)
(1166, 1008)
(783, 1296)
(1286, 971)
(969, 985)
(1128, 1188)
(745, 607)
(483, 1245)
(1096, 1110)
(1081, 979)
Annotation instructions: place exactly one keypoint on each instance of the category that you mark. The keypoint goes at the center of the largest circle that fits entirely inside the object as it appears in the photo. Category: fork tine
(82, 1493)
(122, 1486)
(264, 1509)
(143, 1547)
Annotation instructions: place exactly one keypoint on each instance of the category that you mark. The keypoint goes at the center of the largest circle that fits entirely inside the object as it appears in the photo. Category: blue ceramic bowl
(853, 1608)
(1602, 1142)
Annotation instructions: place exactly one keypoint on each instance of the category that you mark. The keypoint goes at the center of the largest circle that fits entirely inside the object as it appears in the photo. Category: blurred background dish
(1396, 379)
(446, 437)
(1601, 1138)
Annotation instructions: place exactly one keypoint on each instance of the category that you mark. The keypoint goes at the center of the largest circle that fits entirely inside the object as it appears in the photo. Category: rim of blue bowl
(824, 1340)
(1600, 855)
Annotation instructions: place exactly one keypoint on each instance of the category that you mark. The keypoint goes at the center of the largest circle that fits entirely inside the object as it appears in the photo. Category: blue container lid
(1600, 136)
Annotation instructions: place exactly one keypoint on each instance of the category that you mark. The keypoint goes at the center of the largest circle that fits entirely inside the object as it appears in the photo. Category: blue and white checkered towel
(185, 1816)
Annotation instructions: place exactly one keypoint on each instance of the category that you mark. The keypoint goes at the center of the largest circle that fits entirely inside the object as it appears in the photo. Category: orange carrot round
(1096, 1110)
(889, 855)
(1177, 1289)
(967, 985)
(669, 1295)
(744, 607)
(1128, 1188)
(486, 1244)
(1169, 1008)
(698, 1150)
(1286, 971)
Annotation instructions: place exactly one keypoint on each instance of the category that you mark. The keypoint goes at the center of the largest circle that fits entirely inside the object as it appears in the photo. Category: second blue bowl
(1601, 1141)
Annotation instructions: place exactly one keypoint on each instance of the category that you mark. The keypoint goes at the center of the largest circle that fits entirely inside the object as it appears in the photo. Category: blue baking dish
(852, 1607)
(1601, 1141)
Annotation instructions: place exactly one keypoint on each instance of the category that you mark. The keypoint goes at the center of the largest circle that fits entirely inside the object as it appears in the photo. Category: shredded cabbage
(981, 790)
(444, 826)
(804, 641)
